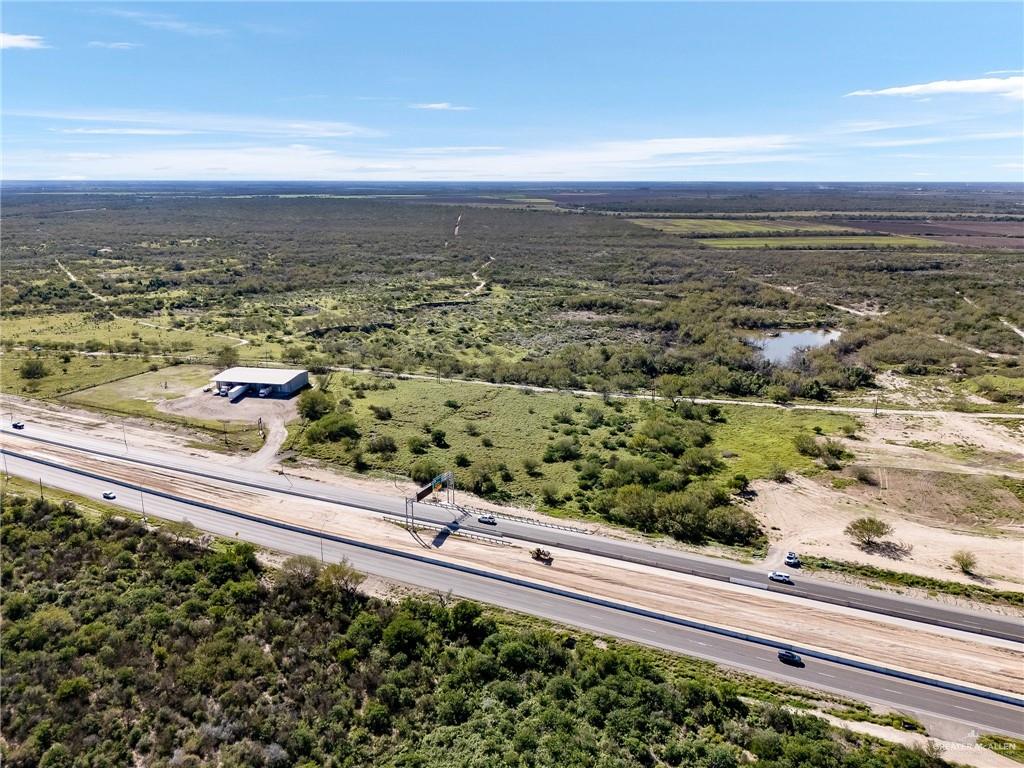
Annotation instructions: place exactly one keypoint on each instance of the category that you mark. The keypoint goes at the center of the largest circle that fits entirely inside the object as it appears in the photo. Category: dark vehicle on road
(109, 495)
(788, 657)
(541, 555)
(18, 425)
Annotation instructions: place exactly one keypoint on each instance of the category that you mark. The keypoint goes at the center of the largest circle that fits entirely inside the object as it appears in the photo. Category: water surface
(778, 349)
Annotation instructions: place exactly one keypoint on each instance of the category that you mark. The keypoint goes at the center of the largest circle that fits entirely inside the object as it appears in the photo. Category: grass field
(501, 426)
(78, 372)
(732, 226)
(139, 395)
(762, 438)
(80, 328)
(824, 243)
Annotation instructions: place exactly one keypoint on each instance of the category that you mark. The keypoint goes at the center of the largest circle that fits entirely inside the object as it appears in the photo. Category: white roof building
(282, 381)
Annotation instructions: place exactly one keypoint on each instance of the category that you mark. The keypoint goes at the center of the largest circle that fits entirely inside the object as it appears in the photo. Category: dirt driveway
(275, 414)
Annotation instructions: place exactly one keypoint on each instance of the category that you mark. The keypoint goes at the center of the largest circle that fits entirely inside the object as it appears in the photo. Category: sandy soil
(962, 752)
(980, 661)
(204, 405)
(808, 518)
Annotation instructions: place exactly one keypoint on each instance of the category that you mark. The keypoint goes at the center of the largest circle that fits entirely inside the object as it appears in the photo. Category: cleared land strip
(524, 529)
(781, 619)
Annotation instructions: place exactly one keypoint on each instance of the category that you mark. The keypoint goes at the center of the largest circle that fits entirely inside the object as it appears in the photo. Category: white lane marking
(890, 690)
(965, 709)
(825, 674)
(700, 643)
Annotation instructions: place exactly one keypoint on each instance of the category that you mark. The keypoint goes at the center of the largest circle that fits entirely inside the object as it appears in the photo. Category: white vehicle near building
(265, 382)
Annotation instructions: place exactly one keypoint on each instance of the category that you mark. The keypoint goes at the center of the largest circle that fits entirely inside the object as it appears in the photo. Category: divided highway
(565, 608)
(977, 622)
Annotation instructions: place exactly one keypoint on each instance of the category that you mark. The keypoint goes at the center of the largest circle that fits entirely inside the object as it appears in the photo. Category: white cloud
(21, 41)
(1012, 87)
(176, 123)
(924, 140)
(114, 46)
(126, 131)
(441, 106)
(648, 158)
(168, 23)
(1006, 72)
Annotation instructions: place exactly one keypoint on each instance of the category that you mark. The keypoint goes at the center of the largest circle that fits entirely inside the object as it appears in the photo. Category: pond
(778, 349)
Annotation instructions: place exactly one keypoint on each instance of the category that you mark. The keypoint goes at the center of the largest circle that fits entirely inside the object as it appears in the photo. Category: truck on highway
(236, 392)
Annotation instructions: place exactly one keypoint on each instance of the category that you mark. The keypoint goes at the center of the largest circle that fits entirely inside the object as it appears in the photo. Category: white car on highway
(780, 576)
(109, 495)
(487, 520)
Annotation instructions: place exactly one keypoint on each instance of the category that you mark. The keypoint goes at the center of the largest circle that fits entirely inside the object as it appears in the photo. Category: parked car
(788, 657)
(487, 520)
(780, 576)
(18, 425)
(792, 560)
(109, 495)
(264, 391)
(207, 388)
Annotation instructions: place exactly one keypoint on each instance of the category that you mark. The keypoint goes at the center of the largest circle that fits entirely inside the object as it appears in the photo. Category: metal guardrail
(506, 516)
(481, 537)
(556, 591)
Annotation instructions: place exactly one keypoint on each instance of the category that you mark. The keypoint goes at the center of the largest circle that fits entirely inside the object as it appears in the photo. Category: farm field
(836, 242)
(967, 232)
(733, 226)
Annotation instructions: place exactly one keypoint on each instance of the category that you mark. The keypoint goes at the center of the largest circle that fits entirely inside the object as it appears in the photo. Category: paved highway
(606, 619)
(990, 624)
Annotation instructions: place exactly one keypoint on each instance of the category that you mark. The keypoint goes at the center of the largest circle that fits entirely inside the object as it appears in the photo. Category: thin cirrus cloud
(114, 46)
(127, 131)
(167, 23)
(154, 123)
(1011, 87)
(950, 139)
(441, 106)
(8, 40)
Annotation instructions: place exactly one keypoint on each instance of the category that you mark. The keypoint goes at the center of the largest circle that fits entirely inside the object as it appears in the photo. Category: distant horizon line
(651, 182)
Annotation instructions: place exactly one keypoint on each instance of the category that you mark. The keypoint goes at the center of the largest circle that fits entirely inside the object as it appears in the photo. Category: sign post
(443, 482)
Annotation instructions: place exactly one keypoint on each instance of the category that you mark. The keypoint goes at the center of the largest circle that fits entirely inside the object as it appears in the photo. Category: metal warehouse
(276, 382)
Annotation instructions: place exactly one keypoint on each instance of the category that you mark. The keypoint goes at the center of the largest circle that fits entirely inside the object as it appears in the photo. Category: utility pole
(124, 436)
(40, 489)
(142, 498)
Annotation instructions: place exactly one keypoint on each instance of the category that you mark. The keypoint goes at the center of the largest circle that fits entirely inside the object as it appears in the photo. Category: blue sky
(686, 91)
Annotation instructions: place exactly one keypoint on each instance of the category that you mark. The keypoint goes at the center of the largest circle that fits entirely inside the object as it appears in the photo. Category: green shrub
(382, 444)
(314, 404)
(332, 428)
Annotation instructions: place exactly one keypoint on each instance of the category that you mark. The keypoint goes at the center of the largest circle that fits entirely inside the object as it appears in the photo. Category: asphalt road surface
(913, 698)
(993, 625)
